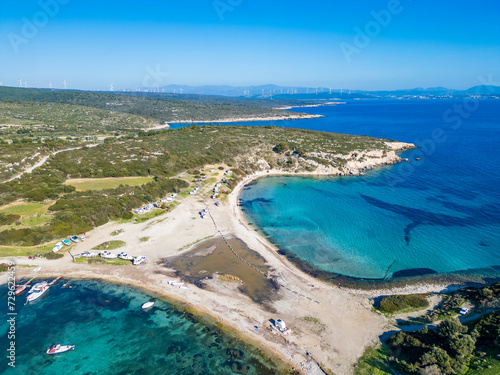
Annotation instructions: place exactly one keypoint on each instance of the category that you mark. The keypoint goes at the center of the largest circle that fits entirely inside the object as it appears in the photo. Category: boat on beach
(58, 348)
(58, 246)
(108, 255)
(125, 256)
(140, 259)
(147, 305)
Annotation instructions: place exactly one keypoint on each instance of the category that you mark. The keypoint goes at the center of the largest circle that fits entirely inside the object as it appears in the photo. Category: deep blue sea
(114, 336)
(439, 214)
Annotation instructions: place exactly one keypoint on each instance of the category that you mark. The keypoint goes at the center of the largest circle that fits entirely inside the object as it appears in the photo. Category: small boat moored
(66, 242)
(58, 348)
(37, 291)
(147, 305)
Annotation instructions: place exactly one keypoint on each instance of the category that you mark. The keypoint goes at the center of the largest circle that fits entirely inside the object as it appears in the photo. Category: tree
(451, 328)
(281, 147)
(439, 357)
(431, 370)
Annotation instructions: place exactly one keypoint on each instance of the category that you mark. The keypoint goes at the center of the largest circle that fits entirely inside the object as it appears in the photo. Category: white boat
(89, 254)
(37, 291)
(75, 239)
(139, 260)
(58, 348)
(58, 246)
(108, 255)
(125, 256)
(147, 305)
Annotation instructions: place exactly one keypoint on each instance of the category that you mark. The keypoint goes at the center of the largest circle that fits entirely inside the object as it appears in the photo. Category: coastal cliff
(327, 163)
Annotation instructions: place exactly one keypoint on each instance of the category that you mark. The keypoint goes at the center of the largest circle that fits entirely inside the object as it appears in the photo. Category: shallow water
(114, 336)
(214, 256)
(439, 214)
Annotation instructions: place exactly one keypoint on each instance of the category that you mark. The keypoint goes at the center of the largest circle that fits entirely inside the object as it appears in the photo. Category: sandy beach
(331, 326)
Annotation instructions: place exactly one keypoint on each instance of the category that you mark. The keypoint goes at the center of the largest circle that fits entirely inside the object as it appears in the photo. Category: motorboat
(147, 305)
(125, 256)
(58, 246)
(66, 242)
(58, 348)
(108, 255)
(138, 260)
(21, 288)
(37, 291)
(89, 254)
(75, 239)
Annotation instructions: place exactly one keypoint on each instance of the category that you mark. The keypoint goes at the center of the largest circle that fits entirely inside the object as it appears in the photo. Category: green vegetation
(452, 347)
(24, 215)
(144, 239)
(46, 119)
(448, 349)
(373, 362)
(76, 113)
(52, 255)
(110, 245)
(399, 303)
(162, 154)
(6, 251)
(113, 262)
(116, 232)
(106, 183)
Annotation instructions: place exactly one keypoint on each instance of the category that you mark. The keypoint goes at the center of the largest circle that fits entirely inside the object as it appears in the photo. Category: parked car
(464, 311)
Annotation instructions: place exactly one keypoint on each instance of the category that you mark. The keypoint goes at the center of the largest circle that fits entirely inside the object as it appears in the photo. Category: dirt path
(44, 159)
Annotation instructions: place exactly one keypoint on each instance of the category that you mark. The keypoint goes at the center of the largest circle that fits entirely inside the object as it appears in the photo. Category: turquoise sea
(439, 214)
(114, 336)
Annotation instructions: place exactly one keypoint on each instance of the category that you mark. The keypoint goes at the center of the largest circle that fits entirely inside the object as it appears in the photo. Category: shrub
(128, 215)
(393, 304)
(52, 255)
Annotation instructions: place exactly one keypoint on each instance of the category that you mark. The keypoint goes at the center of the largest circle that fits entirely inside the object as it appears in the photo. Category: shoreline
(430, 283)
(203, 316)
(342, 313)
(293, 116)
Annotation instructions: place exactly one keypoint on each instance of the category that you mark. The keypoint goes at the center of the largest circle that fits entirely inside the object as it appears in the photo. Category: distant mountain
(484, 90)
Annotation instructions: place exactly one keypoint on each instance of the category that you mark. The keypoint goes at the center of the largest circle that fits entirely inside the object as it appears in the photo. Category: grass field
(373, 362)
(97, 261)
(82, 184)
(32, 214)
(15, 251)
(109, 245)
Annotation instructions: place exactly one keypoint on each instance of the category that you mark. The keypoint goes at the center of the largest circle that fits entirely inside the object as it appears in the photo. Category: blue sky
(249, 42)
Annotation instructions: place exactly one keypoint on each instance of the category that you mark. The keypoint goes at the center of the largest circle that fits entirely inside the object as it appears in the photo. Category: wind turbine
(21, 82)
(330, 91)
(316, 91)
(340, 92)
(64, 83)
(111, 88)
(180, 90)
(349, 91)
(50, 85)
(26, 84)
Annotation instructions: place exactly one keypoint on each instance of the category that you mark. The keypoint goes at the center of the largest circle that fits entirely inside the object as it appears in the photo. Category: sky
(372, 45)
